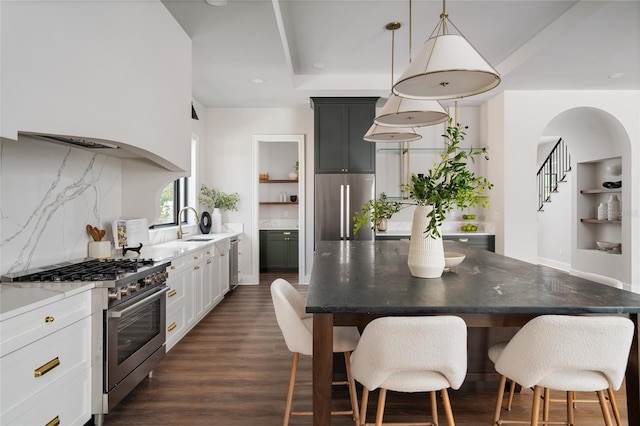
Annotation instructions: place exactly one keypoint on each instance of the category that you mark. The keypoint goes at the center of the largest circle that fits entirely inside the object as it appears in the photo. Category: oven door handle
(117, 313)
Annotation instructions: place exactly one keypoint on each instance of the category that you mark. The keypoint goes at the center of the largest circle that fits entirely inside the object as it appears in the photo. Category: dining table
(354, 282)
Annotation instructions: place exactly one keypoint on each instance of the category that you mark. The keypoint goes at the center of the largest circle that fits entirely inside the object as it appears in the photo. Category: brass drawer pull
(208, 261)
(196, 267)
(195, 258)
(286, 233)
(463, 240)
(54, 422)
(173, 267)
(49, 319)
(44, 369)
(222, 254)
(172, 293)
(172, 326)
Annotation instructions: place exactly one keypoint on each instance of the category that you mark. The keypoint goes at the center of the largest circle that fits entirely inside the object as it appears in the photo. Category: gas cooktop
(87, 270)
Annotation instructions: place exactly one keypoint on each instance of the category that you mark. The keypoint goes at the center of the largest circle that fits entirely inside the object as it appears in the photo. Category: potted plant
(376, 212)
(218, 200)
(293, 175)
(447, 185)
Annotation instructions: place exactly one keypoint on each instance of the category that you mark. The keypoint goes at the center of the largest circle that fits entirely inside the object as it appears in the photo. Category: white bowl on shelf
(606, 245)
(452, 259)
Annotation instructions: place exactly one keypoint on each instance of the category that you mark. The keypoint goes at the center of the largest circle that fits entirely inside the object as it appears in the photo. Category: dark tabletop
(373, 277)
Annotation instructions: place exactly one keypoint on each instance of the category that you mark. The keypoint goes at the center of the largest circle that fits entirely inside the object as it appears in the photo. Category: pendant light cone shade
(378, 133)
(447, 67)
(404, 112)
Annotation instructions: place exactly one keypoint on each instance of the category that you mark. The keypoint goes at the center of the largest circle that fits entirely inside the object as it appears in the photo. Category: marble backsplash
(48, 194)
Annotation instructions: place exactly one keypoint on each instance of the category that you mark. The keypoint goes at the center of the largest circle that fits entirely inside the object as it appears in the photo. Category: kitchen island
(353, 282)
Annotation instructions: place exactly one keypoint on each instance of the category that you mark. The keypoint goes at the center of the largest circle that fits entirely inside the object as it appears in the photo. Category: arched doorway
(566, 234)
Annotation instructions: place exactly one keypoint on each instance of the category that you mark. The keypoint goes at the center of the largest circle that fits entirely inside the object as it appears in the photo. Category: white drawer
(224, 245)
(176, 323)
(68, 400)
(176, 290)
(23, 329)
(29, 370)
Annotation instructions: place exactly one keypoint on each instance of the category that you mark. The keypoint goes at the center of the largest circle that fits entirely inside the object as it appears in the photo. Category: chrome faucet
(180, 233)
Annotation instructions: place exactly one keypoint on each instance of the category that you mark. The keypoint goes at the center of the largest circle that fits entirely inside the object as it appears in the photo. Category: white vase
(602, 211)
(216, 221)
(613, 208)
(293, 175)
(426, 254)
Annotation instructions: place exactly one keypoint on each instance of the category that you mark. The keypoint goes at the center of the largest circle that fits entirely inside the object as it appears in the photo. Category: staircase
(552, 172)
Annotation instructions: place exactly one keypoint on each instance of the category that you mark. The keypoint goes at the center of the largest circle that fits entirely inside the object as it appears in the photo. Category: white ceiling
(534, 44)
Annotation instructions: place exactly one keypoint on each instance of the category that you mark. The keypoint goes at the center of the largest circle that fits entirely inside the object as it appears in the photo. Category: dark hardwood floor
(233, 367)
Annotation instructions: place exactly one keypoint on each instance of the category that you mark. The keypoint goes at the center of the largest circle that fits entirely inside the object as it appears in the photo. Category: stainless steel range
(131, 331)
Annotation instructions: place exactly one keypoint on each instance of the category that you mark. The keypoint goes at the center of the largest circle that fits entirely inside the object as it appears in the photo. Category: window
(178, 194)
(172, 198)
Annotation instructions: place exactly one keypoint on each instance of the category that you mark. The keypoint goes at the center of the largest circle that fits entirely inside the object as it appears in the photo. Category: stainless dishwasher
(233, 263)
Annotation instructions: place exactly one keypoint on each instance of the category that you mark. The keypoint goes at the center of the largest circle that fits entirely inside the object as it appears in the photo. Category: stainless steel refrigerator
(338, 197)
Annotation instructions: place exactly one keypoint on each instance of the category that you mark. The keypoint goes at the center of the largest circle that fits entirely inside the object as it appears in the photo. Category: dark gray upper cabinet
(339, 128)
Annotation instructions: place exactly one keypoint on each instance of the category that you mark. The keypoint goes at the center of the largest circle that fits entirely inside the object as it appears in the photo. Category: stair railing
(553, 171)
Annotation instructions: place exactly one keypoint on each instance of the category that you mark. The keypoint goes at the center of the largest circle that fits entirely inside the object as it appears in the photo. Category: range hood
(102, 146)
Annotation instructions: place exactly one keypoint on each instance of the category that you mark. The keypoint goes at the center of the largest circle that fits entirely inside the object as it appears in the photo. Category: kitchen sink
(201, 238)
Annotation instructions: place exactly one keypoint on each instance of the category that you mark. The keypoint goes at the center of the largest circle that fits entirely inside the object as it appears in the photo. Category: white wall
(516, 120)
(228, 149)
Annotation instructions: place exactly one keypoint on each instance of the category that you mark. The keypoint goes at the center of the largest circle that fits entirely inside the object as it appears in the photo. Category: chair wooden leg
(447, 407)
(614, 406)
(545, 409)
(570, 406)
(512, 390)
(352, 389)
(363, 405)
(496, 413)
(434, 407)
(605, 408)
(535, 408)
(292, 382)
(382, 398)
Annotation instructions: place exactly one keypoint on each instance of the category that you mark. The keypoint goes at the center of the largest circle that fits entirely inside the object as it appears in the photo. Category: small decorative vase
(381, 224)
(293, 175)
(426, 254)
(602, 211)
(216, 221)
(613, 208)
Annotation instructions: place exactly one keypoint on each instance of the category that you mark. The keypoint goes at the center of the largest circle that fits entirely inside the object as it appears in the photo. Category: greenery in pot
(375, 210)
(214, 198)
(449, 183)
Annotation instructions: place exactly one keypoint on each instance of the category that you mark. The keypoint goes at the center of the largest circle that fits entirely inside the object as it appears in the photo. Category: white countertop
(19, 297)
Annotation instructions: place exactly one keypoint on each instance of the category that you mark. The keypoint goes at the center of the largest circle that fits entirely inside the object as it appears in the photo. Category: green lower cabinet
(279, 251)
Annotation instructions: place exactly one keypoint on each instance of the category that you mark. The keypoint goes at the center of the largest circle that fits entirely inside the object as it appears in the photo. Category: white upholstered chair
(411, 354)
(565, 353)
(297, 329)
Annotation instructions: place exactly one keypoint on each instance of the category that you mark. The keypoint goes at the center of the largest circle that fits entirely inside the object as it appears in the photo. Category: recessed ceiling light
(257, 80)
(216, 2)
(319, 65)
(616, 75)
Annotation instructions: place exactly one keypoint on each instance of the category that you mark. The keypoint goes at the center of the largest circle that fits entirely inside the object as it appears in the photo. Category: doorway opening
(279, 205)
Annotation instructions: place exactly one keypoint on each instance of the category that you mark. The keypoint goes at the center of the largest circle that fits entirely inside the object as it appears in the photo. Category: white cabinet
(197, 282)
(46, 364)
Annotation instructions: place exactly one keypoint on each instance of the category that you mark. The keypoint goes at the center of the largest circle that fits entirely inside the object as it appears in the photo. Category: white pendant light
(383, 133)
(446, 67)
(378, 133)
(404, 112)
